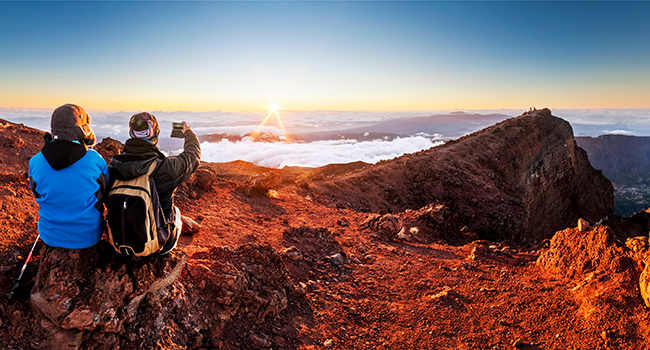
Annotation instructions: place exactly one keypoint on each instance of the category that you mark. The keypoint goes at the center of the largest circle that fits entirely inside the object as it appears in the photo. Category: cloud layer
(276, 155)
(313, 154)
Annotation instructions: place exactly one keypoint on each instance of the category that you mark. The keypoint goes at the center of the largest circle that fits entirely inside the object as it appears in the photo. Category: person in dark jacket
(138, 154)
(69, 179)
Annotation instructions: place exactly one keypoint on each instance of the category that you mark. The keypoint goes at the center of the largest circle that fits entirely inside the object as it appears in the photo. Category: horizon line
(447, 110)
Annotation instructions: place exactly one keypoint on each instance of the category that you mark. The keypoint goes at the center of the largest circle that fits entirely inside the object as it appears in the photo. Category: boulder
(292, 253)
(436, 221)
(606, 279)
(574, 253)
(387, 225)
(434, 213)
(315, 242)
(108, 148)
(190, 227)
(583, 225)
(639, 253)
(336, 259)
(94, 289)
(638, 250)
(644, 285)
(478, 251)
(411, 235)
(222, 293)
(12, 142)
(204, 178)
(260, 183)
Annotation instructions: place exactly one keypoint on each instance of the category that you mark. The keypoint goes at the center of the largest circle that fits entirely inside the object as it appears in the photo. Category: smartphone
(177, 130)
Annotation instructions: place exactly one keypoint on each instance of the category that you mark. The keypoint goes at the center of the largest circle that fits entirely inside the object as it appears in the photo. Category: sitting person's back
(68, 180)
(141, 150)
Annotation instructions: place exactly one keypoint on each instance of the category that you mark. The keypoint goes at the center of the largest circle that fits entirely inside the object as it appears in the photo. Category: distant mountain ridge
(450, 126)
(441, 127)
(624, 160)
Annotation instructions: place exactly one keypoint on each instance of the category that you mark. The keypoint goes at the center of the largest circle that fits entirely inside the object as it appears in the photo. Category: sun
(274, 108)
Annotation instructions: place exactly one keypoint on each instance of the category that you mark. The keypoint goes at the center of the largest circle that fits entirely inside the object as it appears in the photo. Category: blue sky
(236, 56)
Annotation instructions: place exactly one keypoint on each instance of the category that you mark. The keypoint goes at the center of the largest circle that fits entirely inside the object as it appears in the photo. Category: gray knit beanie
(71, 122)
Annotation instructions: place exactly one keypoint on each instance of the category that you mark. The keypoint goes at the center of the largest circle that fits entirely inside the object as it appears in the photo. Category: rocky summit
(494, 240)
(521, 179)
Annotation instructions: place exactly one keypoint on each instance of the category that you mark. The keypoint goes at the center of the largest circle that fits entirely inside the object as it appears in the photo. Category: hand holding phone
(177, 130)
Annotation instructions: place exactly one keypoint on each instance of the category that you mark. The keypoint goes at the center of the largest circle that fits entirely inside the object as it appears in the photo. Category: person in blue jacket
(69, 179)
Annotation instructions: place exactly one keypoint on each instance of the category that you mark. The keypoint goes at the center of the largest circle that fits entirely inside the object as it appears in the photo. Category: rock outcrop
(18, 144)
(605, 274)
(93, 299)
(93, 289)
(522, 179)
(108, 147)
(203, 178)
(388, 225)
(574, 253)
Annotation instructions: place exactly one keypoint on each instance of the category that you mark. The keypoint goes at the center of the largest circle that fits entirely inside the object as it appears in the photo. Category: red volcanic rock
(204, 177)
(247, 285)
(574, 253)
(108, 148)
(312, 241)
(638, 249)
(90, 290)
(260, 184)
(91, 299)
(435, 222)
(606, 280)
(190, 226)
(332, 283)
(18, 144)
(522, 179)
(387, 225)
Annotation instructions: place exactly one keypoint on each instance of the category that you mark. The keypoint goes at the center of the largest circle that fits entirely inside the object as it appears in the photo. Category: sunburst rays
(273, 109)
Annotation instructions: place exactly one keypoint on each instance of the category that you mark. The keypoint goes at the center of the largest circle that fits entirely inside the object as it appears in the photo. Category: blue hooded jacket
(69, 184)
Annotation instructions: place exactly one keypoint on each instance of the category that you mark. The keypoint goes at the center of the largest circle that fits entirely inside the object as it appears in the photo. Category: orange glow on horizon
(273, 109)
(601, 100)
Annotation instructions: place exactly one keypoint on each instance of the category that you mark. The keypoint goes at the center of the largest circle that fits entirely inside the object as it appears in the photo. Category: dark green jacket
(170, 172)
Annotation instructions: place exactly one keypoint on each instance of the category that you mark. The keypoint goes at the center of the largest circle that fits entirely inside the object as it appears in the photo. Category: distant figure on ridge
(68, 179)
(139, 222)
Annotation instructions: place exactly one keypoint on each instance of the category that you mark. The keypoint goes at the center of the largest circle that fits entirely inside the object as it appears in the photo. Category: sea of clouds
(311, 154)
(314, 154)
(115, 124)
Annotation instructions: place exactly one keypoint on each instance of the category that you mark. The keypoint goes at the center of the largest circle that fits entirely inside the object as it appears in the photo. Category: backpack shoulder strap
(152, 167)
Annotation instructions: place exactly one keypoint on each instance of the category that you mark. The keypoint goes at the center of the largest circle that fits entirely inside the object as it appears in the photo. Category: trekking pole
(10, 295)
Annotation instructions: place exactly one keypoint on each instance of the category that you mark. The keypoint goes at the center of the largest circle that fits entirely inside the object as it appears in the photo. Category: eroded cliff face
(522, 179)
(612, 154)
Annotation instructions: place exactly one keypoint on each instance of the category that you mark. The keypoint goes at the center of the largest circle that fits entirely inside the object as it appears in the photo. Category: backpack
(136, 222)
